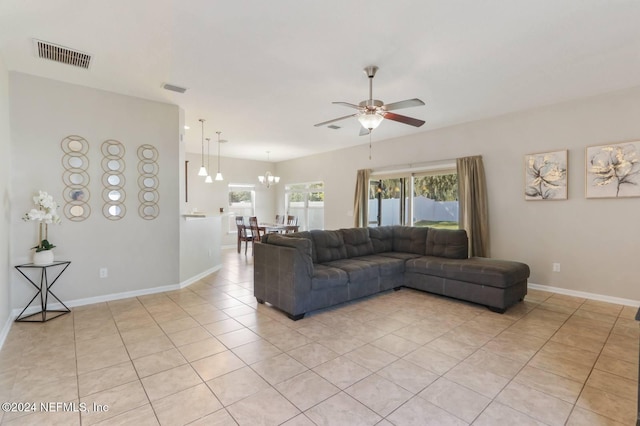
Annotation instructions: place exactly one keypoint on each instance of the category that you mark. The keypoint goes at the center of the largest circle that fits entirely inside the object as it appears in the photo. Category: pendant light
(203, 170)
(208, 178)
(219, 175)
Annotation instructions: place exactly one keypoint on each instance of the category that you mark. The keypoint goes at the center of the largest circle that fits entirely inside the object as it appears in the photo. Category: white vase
(44, 257)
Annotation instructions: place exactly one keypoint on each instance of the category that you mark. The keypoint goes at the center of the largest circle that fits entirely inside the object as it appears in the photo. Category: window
(241, 203)
(306, 201)
(416, 199)
(435, 199)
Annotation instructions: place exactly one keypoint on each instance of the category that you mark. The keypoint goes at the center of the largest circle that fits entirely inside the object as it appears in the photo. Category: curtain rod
(414, 167)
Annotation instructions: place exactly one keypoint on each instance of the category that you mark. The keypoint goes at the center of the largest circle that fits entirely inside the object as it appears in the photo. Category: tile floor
(209, 355)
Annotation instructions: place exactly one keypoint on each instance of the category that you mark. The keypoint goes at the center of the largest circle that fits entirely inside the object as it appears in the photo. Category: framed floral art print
(545, 176)
(613, 171)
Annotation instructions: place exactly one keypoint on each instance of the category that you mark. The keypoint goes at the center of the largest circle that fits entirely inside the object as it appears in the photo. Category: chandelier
(268, 178)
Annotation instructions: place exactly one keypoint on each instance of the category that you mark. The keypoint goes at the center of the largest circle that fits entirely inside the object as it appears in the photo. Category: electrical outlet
(104, 272)
(556, 267)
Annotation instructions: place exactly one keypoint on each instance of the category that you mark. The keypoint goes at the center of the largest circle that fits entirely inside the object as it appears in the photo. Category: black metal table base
(44, 290)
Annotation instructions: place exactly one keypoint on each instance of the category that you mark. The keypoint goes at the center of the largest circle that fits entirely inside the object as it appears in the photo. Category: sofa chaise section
(494, 283)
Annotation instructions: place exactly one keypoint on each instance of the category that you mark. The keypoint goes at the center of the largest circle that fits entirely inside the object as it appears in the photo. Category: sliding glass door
(306, 202)
(388, 201)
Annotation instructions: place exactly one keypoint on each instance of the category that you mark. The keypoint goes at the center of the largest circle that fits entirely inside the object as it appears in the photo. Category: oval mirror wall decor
(113, 180)
(148, 195)
(113, 193)
(75, 177)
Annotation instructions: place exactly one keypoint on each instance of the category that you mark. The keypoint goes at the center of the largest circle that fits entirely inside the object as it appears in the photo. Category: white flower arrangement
(45, 213)
(46, 209)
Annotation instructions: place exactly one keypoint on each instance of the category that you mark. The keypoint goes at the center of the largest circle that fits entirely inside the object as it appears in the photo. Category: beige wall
(5, 198)
(594, 240)
(139, 254)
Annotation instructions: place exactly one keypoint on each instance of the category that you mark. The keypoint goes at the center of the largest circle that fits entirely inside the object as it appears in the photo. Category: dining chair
(243, 234)
(292, 224)
(279, 221)
(255, 231)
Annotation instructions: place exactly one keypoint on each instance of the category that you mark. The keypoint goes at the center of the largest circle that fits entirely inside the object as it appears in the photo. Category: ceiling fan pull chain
(369, 144)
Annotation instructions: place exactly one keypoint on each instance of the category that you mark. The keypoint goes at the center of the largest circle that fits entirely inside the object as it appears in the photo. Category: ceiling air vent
(174, 88)
(62, 54)
(333, 126)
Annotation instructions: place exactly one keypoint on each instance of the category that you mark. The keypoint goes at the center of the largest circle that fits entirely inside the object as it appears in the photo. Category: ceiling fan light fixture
(370, 119)
(371, 112)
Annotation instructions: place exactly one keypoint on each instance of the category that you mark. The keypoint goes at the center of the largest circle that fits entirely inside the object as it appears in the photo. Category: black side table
(44, 290)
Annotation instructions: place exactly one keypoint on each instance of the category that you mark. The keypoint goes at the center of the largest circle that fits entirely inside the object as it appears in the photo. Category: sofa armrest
(282, 274)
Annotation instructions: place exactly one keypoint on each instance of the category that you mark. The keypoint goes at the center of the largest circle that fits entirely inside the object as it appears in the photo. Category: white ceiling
(263, 72)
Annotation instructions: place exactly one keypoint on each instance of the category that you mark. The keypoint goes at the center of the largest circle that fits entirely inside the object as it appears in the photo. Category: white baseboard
(127, 294)
(201, 275)
(106, 298)
(585, 295)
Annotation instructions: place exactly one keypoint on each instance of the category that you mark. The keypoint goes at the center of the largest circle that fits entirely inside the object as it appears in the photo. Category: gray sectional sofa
(305, 271)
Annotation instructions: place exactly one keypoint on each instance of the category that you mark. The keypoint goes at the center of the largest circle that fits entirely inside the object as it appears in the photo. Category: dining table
(277, 227)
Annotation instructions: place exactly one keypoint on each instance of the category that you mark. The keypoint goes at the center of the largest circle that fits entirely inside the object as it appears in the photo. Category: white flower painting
(613, 171)
(545, 176)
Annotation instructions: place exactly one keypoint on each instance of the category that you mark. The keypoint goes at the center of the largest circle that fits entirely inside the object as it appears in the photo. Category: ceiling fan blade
(403, 104)
(403, 119)
(363, 131)
(346, 104)
(335, 119)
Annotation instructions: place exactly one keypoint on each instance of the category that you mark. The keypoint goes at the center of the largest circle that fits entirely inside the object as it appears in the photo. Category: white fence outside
(423, 209)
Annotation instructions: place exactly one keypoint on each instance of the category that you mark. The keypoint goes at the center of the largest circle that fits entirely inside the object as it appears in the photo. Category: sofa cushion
(410, 239)
(357, 241)
(329, 245)
(357, 270)
(381, 238)
(325, 277)
(477, 270)
(399, 255)
(449, 243)
(387, 266)
(303, 234)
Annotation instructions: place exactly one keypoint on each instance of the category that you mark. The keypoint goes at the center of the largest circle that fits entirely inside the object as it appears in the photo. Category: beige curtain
(474, 213)
(361, 202)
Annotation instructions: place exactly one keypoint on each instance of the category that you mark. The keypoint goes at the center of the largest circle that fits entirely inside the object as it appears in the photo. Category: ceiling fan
(372, 111)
